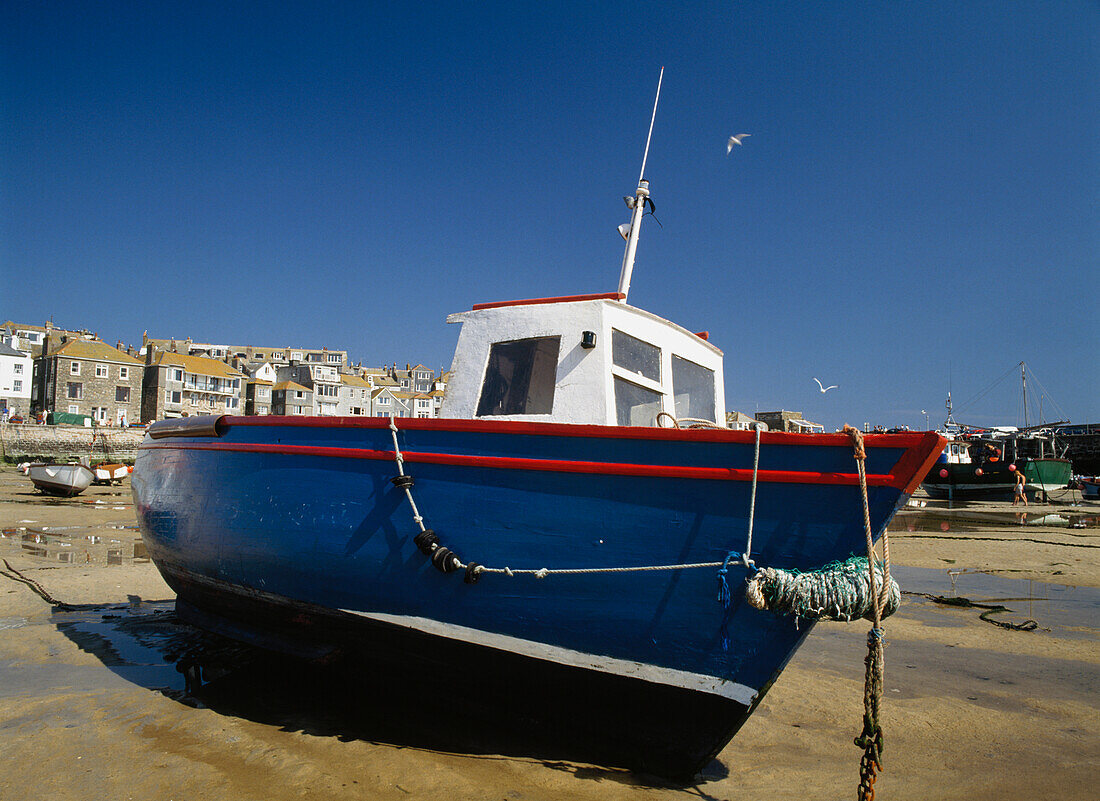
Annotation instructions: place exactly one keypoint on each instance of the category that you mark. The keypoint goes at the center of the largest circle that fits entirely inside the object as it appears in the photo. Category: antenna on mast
(637, 204)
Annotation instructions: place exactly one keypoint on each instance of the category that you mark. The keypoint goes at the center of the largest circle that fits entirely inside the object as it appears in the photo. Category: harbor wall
(63, 443)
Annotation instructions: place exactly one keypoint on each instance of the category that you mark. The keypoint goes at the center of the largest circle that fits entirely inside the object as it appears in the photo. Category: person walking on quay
(1020, 481)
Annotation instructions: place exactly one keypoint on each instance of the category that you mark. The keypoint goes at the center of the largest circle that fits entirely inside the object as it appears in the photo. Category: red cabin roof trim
(536, 301)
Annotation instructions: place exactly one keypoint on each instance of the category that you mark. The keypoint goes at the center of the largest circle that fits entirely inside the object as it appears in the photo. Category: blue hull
(277, 520)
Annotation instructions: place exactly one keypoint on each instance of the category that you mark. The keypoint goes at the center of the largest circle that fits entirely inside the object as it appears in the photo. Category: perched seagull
(735, 140)
(826, 389)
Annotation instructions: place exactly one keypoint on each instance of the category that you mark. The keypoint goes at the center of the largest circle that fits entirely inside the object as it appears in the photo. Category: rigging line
(974, 399)
(1045, 392)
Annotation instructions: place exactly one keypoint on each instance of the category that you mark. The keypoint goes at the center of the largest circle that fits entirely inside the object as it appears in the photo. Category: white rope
(747, 558)
(543, 572)
(401, 471)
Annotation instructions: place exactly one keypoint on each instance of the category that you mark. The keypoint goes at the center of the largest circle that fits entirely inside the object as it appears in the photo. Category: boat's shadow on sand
(147, 644)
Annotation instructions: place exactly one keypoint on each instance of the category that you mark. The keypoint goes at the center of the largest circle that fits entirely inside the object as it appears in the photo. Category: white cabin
(586, 359)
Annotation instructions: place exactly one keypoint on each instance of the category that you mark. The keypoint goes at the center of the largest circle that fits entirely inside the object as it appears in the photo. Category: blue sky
(916, 209)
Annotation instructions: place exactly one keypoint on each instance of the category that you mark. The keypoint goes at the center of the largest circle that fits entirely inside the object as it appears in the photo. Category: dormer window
(520, 377)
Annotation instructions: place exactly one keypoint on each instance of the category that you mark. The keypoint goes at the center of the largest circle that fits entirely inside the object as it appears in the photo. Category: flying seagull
(735, 140)
(826, 389)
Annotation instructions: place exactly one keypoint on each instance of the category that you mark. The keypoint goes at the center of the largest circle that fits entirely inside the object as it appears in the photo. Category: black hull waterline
(612, 720)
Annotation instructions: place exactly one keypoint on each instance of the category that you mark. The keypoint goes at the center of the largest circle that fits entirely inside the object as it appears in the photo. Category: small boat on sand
(109, 472)
(65, 480)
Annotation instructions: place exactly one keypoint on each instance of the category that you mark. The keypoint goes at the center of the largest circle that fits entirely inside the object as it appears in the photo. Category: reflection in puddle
(110, 544)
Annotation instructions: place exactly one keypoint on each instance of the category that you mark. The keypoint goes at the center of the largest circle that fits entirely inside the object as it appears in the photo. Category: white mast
(637, 203)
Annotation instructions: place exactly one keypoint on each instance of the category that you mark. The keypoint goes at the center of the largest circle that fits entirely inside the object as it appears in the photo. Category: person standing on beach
(1020, 481)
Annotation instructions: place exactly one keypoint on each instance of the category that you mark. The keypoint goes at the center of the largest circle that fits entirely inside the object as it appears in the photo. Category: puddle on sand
(1069, 612)
(146, 644)
(141, 642)
(962, 522)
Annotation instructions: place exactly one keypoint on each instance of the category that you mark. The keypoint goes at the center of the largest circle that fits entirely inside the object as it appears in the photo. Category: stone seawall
(62, 443)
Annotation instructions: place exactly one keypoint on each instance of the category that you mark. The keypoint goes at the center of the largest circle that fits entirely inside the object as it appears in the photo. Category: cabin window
(636, 356)
(693, 389)
(520, 377)
(635, 405)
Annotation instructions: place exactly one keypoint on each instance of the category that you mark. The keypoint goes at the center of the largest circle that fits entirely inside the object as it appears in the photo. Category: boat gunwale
(905, 475)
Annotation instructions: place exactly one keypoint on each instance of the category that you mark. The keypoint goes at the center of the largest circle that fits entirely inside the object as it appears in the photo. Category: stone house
(32, 338)
(239, 355)
(89, 377)
(179, 385)
(291, 398)
(789, 421)
(321, 380)
(354, 396)
(257, 398)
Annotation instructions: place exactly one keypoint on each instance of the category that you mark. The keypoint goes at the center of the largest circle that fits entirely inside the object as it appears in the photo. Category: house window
(122, 394)
(123, 373)
(384, 400)
(18, 369)
(298, 395)
(296, 356)
(176, 375)
(259, 355)
(75, 390)
(334, 357)
(263, 393)
(74, 409)
(636, 356)
(232, 403)
(99, 413)
(74, 368)
(175, 397)
(101, 371)
(16, 385)
(520, 377)
(692, 389)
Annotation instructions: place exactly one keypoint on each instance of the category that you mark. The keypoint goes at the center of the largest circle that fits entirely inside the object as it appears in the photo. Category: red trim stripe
(488, 426)
(537, 301)
(547, 465)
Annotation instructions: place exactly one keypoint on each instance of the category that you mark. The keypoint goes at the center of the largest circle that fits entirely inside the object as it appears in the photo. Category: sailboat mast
(637, 203)
(1023, 383)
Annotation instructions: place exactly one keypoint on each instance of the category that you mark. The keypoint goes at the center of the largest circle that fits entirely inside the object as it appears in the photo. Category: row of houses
(46, 370)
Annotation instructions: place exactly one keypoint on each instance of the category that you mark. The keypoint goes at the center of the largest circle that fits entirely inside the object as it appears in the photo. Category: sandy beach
(90, 707)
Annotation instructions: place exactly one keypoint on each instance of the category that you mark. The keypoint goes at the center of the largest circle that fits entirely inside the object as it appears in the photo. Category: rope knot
(856, 437)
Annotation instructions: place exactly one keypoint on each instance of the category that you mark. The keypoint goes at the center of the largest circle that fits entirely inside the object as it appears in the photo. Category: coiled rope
(840, 591)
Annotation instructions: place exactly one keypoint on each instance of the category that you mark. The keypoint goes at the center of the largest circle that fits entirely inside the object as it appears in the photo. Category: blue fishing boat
(559, 535)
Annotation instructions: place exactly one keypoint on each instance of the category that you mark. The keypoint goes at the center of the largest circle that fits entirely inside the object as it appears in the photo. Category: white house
(15, 380)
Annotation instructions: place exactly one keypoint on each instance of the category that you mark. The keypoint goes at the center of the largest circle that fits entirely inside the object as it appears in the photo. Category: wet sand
(91, 708)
